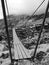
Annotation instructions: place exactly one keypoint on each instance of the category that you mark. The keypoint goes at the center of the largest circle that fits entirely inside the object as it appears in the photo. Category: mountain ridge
(15, 19)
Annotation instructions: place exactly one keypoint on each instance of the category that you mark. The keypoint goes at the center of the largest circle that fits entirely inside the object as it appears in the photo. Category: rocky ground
(29, 40)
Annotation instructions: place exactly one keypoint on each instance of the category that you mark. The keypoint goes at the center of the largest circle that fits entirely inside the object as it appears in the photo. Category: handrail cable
(42, 26)
(35, 10)
(6, 26)
(7, 8)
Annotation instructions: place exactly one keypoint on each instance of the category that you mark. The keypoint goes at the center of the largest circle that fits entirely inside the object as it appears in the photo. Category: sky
(19, 7)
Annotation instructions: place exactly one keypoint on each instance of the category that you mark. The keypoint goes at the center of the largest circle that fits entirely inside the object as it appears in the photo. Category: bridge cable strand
(7, 8)
(42, 26)
(6, 27)
(35, 11)
(7, 11)
(8, 32)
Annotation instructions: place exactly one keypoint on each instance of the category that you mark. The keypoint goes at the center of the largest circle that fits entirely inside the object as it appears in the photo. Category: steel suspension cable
(42, 26)
(6, 26)
(7, 11)
(7, 8)
(35, 10)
